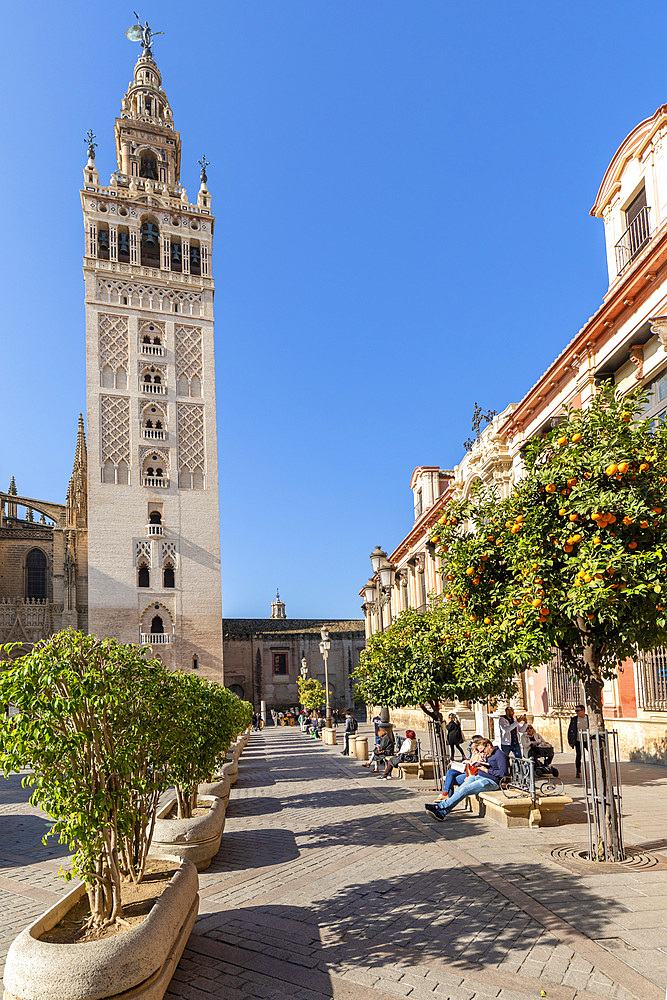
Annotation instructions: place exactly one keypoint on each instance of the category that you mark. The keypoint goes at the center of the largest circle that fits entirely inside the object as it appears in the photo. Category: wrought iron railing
(563, 690)
(633, 239)
(652, 680)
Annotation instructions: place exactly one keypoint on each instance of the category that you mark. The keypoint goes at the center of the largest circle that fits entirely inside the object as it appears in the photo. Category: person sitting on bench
(539, 750)
(490, 772)
(406, 753)
(455, 777)
(383, 749)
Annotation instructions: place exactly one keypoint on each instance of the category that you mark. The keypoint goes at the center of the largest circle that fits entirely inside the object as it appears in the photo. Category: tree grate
(577, 860)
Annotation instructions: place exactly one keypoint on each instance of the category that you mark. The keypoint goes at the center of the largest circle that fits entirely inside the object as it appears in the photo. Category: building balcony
(155, 482)
(634, 239)
(154, 530)
(153, 388)
(154, 349)
(152, 434)
(156, 639)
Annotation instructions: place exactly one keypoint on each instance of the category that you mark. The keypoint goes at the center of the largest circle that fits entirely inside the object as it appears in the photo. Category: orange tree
(425, 658)
(575, 557)
(311, 693)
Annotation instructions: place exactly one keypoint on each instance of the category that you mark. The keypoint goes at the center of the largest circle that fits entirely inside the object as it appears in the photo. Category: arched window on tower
(195, 258)
(103, 243)
(150, 244)
(148, 165)
(157, 626)
(143, 576)
(123, 244)
(35, 575)
(155, 517)
(176, 256)
(168, 576)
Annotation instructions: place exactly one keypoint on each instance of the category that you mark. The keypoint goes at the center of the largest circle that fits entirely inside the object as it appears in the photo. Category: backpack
(355, 724)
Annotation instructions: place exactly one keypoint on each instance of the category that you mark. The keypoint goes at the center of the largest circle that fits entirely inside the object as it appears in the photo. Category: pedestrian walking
(454, 736)
(578, 725)
(351, 727)
(510, 730)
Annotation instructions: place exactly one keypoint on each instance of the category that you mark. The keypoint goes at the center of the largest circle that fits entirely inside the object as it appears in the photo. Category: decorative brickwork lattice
(168, 553)
(143, 550)
(188, 352)
(190, 421)
(114, 342)
(140, 296)
(115, 429)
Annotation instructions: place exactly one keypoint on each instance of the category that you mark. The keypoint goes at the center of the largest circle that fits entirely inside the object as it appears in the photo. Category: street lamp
(325, 646)
(378, 593)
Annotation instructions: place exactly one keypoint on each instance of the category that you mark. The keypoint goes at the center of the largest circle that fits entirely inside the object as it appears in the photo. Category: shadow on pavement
(257, 806)
(247, 849)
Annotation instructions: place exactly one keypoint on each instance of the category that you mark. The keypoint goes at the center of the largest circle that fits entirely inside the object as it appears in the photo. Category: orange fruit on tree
(632, 545)
(562, 512)
(597, 541)
(576, 438)
(623, 467)
(573, 517)
(469, 571)
(611, 518)
(611, 470)
(567, 548)
(487, 621)
(536, 602)
(626, 417)
(643, 467)
(561, 441)
(550, 487)
(643, 524)
(596, 515)
(572, 482)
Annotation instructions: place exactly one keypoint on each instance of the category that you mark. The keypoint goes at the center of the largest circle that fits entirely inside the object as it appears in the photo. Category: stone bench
(521, 811)
(416, 770)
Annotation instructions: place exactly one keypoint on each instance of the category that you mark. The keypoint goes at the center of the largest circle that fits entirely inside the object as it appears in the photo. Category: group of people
(489, 764)
(384, 757)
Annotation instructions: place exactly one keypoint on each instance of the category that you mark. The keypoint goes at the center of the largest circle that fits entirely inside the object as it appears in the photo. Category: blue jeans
(453, 778)
(514, 748)
(475, 783)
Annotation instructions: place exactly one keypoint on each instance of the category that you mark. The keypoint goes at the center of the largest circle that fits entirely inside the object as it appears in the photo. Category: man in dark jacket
(488, 778)
(578, 724)
(351, 727)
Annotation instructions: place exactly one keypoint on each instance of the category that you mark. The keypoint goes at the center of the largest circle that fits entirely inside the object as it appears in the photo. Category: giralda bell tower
(154, 536)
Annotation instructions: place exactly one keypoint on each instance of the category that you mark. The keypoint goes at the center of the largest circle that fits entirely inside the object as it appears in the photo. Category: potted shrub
(88, 722)
(200, 717)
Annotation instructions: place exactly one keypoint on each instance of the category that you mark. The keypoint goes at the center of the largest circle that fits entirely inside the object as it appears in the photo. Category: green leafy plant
(87, 722)
(311, 693)
(201, 720)
(574, 558)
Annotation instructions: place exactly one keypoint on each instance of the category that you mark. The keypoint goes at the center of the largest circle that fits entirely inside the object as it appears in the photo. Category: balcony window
(637, 232)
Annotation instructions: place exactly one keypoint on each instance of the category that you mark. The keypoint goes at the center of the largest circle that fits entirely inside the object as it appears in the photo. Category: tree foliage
(88, 722)
(311, 693)
(575, 557)
(424, 658)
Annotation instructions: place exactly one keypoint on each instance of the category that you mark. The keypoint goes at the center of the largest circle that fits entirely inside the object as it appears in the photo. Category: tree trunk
(433, 711)
(603, 806)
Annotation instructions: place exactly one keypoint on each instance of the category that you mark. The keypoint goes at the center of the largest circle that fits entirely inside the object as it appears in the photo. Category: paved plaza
(330, 883)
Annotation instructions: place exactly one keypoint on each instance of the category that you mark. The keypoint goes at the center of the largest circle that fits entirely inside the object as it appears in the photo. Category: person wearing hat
(405, 753)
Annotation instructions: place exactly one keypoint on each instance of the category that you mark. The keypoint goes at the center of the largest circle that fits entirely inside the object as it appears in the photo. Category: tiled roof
(237, 627)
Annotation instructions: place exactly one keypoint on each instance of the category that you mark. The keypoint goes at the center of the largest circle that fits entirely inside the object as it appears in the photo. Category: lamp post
(377, 591)
(325, 646)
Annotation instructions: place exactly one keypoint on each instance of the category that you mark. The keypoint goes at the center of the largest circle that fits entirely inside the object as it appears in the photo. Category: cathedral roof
(242, 627)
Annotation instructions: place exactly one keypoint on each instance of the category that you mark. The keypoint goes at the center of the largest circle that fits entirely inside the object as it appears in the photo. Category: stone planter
(219, 787)
(137, 963)
(196, 840)
(231, 771)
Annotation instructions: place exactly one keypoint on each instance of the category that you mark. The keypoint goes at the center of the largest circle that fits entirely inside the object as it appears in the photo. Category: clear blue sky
(402, 191)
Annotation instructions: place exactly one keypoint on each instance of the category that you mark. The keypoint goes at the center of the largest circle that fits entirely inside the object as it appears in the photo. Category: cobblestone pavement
(330, 884)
